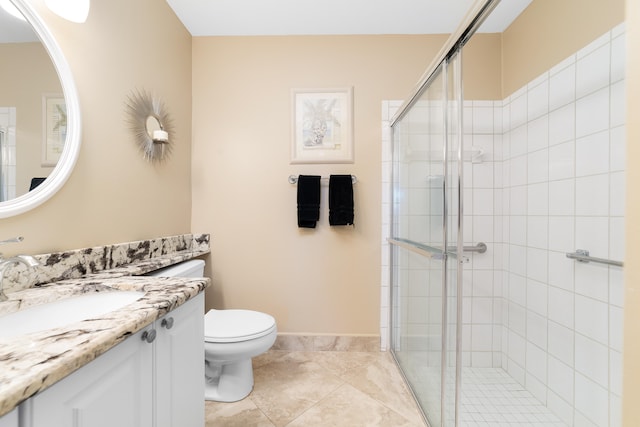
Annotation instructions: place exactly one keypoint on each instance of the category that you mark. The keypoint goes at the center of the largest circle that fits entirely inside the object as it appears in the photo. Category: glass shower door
(418, 249)
(426, 227)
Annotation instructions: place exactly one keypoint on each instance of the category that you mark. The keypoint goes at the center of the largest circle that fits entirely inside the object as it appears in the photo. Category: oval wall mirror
(35, 161)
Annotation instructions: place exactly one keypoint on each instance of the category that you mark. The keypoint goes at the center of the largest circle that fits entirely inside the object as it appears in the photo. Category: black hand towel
(340, 200)
(308, 200)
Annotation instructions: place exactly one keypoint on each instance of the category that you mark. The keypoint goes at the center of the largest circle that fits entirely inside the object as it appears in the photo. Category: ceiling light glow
(11, 9)
(72, 10)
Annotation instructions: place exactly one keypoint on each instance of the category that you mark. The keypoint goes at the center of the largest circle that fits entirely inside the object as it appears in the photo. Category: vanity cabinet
(179, 358)
(10, 419)
(154, 378)
(116, 389)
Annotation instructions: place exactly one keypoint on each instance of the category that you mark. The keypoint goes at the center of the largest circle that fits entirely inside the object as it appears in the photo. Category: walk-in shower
(493, 321)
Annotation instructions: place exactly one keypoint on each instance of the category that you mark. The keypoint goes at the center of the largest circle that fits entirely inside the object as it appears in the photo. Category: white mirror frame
(71, 149)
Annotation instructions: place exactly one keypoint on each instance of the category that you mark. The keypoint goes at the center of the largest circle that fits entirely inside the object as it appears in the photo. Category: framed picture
(322, 130)
(54, 127)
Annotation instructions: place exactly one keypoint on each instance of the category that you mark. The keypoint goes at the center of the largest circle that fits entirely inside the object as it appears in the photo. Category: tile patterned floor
(365, 389)
(321, 388)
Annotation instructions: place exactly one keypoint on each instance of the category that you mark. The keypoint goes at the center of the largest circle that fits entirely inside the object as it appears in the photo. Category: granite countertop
(32, 362)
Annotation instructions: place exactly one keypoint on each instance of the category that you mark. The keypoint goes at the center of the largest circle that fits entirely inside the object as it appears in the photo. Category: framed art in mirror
(54, 127)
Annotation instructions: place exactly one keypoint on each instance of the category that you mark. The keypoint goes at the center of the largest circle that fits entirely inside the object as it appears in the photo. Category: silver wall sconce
(151, 126)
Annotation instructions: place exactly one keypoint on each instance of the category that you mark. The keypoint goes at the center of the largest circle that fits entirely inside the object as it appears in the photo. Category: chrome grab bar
(434, 252)
(479, 248)
(582, 255)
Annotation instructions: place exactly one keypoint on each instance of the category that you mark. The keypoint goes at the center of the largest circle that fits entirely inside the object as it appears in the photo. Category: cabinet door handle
(149, 336)
(167, 322)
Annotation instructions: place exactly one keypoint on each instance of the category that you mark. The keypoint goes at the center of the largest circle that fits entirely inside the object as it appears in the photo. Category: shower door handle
(419, 248)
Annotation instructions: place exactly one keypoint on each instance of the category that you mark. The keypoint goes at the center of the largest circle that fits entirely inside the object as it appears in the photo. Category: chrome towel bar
(293, 179)
(582, 255)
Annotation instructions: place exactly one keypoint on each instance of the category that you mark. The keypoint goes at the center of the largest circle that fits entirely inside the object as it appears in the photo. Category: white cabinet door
(10, 419)
(180, 366)
(113, 390)
(134, 384)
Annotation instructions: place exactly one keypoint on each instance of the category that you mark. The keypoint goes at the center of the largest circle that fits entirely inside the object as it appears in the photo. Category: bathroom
(324, 282)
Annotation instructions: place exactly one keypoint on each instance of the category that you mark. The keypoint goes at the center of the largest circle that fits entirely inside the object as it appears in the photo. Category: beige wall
(631, 357)
(548, 31)
(113, 194)
(23, 80)
(313, 281)
(482, 67)
(324, 280)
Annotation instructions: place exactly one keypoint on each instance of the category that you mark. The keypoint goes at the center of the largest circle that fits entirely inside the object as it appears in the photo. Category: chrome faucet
(27, 260)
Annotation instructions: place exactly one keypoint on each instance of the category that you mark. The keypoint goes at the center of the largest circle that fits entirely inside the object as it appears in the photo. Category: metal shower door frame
(479, 11)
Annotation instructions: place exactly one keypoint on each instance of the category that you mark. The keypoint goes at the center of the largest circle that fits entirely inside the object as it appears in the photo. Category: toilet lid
(236, 325)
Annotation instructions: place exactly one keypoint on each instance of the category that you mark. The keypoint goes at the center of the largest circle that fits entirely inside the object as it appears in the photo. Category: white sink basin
(64, 311)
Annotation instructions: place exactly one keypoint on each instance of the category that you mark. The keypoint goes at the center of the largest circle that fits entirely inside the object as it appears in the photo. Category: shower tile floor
(353, 389)
(491, 398)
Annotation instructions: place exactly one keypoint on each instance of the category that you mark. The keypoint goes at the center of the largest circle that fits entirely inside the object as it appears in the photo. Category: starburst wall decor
(150, 124)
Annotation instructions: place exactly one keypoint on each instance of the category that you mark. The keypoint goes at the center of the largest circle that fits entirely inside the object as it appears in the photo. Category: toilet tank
(191, 268)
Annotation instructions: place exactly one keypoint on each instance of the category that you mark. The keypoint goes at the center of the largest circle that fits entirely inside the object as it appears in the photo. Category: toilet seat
(227, 326)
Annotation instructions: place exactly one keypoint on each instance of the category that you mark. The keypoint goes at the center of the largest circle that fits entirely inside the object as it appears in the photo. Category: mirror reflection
(32, 108)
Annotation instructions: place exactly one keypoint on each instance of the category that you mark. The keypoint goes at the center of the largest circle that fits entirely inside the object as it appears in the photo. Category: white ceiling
(299, 17)
(13, 30)
(313, 17)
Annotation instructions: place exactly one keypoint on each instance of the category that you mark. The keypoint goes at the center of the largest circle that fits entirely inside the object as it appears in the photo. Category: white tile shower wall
(562, 190)
(551, 181)
(482, 290)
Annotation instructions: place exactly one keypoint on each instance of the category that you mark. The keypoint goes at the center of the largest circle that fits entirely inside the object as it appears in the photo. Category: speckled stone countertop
(30, 363)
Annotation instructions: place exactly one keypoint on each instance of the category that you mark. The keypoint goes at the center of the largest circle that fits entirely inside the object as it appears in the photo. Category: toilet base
(228, 381)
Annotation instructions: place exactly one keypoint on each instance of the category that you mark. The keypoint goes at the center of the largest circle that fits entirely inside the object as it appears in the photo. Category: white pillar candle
(160, 136)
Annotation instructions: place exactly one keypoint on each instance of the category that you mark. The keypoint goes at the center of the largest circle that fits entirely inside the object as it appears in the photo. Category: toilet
(231, 339)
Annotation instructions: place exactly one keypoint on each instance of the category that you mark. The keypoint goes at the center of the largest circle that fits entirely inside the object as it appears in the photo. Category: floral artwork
(319, 122)
(54, 128)
(322, 126)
